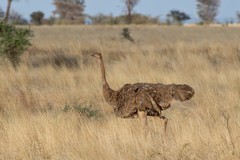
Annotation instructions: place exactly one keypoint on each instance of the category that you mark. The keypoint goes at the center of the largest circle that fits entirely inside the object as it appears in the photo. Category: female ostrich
(143, 99)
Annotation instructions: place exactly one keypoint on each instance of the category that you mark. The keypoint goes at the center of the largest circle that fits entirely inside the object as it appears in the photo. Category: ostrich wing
(127, 106)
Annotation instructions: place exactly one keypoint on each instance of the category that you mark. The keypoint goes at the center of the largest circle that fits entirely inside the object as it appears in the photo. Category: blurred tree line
(72, 12)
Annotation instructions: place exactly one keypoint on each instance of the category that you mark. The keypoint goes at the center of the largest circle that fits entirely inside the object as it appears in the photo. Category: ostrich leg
(165, 122)
(143, 117)
(157, 108)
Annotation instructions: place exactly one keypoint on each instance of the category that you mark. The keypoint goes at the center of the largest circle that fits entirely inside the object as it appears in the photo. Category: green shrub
(83, 110)
(13, 42)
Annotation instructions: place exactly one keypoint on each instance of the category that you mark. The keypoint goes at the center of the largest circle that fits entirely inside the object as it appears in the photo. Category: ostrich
(143, 99)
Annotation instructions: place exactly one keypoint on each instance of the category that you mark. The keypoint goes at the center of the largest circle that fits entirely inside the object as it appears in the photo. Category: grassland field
(52, 107)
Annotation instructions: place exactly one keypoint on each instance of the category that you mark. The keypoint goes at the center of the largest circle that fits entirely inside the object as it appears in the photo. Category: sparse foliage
(70, 11)
(104, 19)
(177, 17)
(126, 35)
(143, 19)
(13, 42)
(130, 4)
(136, 19)
(37, 17)
(207, 10)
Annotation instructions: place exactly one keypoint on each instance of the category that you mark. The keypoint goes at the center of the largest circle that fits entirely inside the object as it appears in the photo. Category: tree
(9, 2)
(177, 17)
(207, 10)
(70, 10)
(37, 17)
(130, 4)
(238, 16)
(1, 13)
(7, 13)
(16, 18)
(13, 42)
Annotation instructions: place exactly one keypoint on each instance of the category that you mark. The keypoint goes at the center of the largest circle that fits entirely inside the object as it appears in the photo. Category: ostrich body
(143, 99)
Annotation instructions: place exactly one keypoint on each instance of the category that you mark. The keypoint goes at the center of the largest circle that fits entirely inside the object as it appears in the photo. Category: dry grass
(42, 112)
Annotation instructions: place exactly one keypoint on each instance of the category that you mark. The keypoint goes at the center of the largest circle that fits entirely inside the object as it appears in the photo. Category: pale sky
(160, 8)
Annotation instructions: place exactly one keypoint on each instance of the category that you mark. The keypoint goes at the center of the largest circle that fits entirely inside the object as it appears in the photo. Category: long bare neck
(109, 94)
(104, 80)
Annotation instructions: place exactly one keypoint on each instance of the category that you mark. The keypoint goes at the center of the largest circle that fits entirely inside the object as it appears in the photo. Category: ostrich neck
(109, 94)
(104, 80)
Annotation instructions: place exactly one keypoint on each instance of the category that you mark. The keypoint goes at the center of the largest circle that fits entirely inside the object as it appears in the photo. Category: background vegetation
(53, 108)
(73, 12)
(13, 42)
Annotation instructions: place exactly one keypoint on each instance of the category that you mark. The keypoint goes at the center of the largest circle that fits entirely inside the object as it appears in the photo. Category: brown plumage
(143, 99)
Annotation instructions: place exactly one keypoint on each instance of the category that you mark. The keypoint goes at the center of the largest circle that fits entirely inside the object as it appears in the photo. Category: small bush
(13, 42)
(83, 110)
(126, 34)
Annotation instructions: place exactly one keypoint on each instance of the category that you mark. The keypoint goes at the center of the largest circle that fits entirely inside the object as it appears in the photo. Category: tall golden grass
(42, 112)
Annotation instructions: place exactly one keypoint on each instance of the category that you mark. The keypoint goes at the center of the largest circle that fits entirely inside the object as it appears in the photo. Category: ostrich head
(182, 92)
